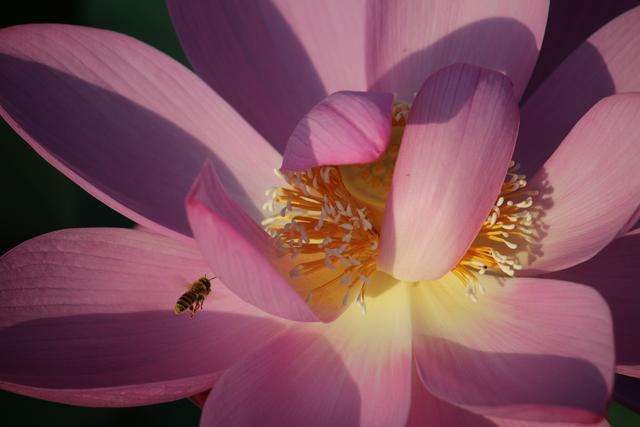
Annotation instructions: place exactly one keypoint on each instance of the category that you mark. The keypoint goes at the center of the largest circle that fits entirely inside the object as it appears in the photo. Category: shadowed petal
(627, 392)
(590, 187)
(273, 61)
(453, 159)
(614, 272)
(345, 128)
(354, 371)
(86, 318)
(125, 122)
(428, 410)
(531, 349)
(569, 24)
(241, 253)
(409, 40)
(607, 63)
(632, 224)
(501, 422)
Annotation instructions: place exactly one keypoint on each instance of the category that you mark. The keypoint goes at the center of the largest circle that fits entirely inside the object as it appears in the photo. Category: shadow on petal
(613, 272)
(250, 55)
(570, 23)
(125, 359)
(432, 58)
(541, 387)
(544, 124)
(298, 379)
(129, 157)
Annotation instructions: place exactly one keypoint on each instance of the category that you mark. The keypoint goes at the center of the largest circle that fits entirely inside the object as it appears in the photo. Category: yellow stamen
(328, 220)
(508, 227)
(318, 217)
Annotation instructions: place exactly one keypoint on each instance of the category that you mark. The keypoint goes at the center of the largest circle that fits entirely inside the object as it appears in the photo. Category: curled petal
(454, 155)
(345, 128)
(239, 251)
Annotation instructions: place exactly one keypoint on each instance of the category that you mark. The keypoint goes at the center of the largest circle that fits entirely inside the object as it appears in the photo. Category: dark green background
(37, 199)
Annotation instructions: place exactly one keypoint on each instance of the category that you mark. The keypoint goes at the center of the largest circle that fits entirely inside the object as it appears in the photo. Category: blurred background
(38, 199)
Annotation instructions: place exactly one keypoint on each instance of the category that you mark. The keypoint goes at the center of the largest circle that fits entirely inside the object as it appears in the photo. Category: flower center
(317, 217)
(328, 218)
(370, 183)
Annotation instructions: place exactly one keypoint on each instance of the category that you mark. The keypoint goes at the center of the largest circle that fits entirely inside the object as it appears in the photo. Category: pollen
(326, 221)
(508, 229)
(318, 221)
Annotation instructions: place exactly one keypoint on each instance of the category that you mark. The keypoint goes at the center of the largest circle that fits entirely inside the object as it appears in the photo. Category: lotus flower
(375, 285)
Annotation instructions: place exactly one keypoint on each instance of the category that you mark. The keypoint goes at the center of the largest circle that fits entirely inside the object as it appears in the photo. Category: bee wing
(179, 282)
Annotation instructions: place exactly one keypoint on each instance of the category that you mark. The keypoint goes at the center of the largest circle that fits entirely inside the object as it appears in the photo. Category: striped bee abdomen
(193, 299)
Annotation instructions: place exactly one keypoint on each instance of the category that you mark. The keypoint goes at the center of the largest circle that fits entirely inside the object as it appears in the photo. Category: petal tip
(345, 128)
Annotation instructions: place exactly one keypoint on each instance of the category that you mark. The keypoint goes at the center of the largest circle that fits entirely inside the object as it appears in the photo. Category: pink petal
(454, 156)
(86, 318)
(354, 371)
(530, 349)
(632, 224)
(607, 63)
(590, 187)
(501, 422)
(408, 41)
(428, 410)
(614, 272)
(239, 251)
(272, 61)
(569, 24)
(125, 122)
(345, 128)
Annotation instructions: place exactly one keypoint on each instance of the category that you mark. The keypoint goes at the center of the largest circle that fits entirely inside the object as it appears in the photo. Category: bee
(193, 299)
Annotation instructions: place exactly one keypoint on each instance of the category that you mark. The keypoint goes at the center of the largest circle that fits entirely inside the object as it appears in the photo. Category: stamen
(509, 225)
(400, 113)
(327, 219)
(319, 218)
